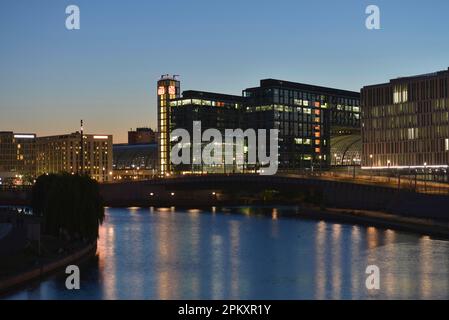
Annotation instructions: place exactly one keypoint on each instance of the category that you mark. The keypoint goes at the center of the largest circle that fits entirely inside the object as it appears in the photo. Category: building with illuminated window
(168, 88)
(406, 123)
(17, 156)
(215, 111)
(141, 136)
(63, 153)
(306, 116)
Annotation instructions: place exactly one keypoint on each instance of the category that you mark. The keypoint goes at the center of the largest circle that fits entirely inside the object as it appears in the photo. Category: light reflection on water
(250, 253)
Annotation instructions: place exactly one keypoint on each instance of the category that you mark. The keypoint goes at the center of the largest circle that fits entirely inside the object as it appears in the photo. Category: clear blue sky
(106, 72)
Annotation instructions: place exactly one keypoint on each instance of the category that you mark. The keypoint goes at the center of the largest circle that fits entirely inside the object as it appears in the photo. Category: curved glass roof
(346, 149)
(142, 156)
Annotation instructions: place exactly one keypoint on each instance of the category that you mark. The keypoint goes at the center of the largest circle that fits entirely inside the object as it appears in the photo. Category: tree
(68, 204)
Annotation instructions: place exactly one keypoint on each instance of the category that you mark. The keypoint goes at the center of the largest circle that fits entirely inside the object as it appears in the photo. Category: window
(400, 93)
(446, 145)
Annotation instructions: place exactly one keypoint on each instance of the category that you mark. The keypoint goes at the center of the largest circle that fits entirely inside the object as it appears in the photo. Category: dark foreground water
(250, 253)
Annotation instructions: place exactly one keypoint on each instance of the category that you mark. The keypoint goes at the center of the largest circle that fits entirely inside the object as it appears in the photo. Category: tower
(168, 87)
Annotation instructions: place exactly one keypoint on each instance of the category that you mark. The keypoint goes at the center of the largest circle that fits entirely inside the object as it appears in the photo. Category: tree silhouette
(70, 205)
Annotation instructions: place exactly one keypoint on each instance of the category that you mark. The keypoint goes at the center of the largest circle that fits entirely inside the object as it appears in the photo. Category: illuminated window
(446, 144)
(302, 141)
(307, 157)
(400, 94)
(412, 133)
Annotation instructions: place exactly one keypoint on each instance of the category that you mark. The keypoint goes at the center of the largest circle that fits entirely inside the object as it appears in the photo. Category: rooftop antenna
(82, 147)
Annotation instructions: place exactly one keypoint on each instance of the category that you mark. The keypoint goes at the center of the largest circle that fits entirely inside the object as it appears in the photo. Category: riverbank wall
(36, 273)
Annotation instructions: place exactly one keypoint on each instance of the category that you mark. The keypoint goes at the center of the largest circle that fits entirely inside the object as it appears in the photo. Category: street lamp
(388, 173)
(353, 167)
(425, 176)
(319, 157)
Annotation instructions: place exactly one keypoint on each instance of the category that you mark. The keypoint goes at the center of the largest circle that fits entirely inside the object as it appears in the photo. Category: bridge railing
(15, 188)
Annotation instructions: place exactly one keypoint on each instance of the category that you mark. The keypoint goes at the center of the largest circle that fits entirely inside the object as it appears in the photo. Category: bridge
(403, 196)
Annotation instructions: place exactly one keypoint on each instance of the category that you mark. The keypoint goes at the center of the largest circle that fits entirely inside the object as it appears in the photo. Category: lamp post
(353, 168)
(388, 173)
(319, 157)
(371, 161)
(425, 176)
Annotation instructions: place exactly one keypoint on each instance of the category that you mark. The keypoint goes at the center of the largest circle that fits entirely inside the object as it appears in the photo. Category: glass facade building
(134, 161)
(305, 116)
(214, 111)
(406, 123)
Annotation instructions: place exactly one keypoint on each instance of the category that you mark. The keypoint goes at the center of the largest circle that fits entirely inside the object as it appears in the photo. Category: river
(249, 253)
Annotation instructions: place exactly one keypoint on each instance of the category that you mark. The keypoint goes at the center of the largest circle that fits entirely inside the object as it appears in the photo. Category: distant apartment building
(17, 156)
(141, 136)
(306, 116)
(406, 123)
(66, 153)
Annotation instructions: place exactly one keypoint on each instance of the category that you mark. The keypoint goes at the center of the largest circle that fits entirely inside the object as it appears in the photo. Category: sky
(106, 72)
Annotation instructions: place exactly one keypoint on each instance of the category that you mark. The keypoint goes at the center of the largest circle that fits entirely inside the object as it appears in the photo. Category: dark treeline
(70, 205)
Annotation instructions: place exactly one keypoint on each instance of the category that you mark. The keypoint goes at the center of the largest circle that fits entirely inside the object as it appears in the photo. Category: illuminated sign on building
(171, 90)
(24, 136)
(161, 91)
(100, 137)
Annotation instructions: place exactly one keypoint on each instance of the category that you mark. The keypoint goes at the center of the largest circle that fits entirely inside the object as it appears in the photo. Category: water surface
(250, 253)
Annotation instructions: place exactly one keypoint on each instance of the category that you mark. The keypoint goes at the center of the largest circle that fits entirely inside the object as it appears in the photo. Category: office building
(141, 136)
(308, 118)
(406, 123)
(62, 153)
(214, 111)
(17, 157)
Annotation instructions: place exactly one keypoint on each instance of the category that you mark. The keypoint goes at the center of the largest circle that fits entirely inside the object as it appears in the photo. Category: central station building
(307, 117)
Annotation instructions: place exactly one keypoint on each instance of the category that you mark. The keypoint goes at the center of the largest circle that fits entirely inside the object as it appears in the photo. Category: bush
(69, 205)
